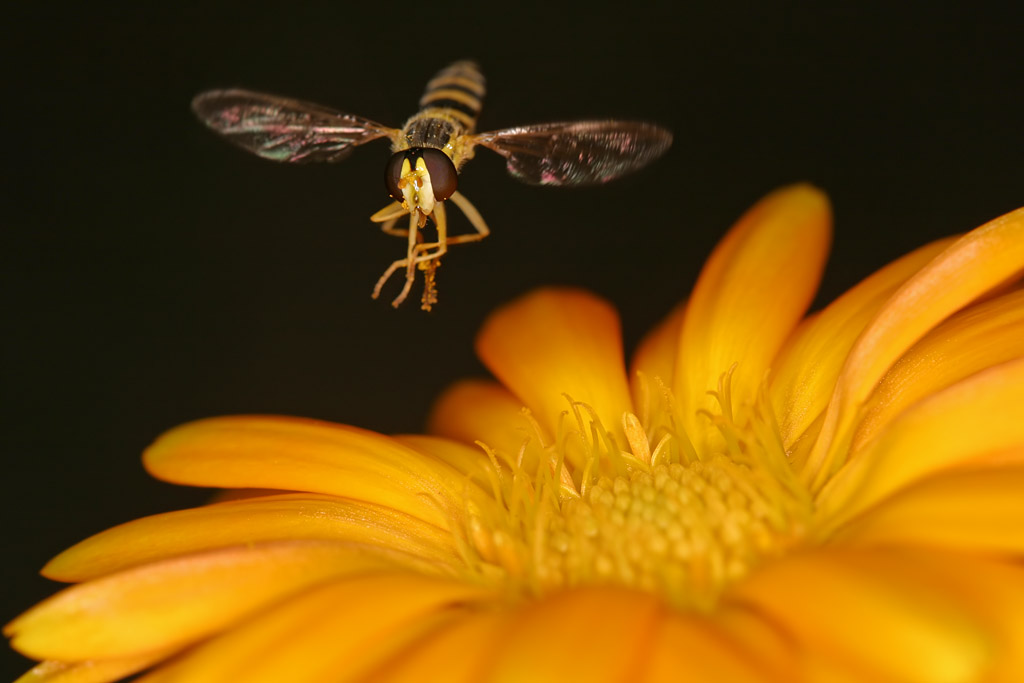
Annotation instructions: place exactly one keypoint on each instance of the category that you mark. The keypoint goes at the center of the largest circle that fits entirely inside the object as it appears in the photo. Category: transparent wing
(577, 153)
(282, 129)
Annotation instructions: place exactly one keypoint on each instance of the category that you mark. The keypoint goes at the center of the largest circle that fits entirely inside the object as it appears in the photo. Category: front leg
(389, 216)
(418, 253)
(408, 262)
(421, 252)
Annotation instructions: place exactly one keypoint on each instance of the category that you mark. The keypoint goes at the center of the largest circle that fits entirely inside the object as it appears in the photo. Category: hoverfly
(429, 151)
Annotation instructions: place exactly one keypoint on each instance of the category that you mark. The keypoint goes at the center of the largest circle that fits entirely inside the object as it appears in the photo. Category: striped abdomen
(448, 109)
(458, 87)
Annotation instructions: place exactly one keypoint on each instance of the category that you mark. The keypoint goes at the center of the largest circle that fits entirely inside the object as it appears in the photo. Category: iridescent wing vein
(283, 129)
(576, 153)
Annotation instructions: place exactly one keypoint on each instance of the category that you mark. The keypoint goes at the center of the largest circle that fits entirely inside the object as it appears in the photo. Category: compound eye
(443, 176)
(393, 173)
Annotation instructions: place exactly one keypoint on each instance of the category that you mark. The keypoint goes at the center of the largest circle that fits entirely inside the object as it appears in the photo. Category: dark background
(152, 274)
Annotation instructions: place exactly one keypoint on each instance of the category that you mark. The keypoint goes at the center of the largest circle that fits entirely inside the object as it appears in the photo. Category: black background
(152, 274)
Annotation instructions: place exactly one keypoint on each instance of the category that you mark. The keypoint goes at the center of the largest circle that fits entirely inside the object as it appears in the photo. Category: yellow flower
(762, 496)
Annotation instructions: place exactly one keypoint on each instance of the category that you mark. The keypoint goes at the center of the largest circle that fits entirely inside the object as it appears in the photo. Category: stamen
(580, 510)
(637, 438)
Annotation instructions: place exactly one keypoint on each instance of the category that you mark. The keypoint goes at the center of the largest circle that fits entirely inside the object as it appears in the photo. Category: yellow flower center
(669, 520)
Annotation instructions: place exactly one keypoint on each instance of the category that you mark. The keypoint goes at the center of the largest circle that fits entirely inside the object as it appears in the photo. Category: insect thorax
(438, 128)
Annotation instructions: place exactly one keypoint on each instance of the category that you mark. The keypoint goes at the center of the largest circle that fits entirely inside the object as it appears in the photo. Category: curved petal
(979, 511)
(688, 649)
(973, 418)
(752, 292)
(177, 601)
(230, 495)
(653, 367)
(821, 667)
(481, 410)
(338, 631)
(308, 455)
(894, 625)
(554, 343)
(586, 634)
(462, 650)
(761, 640)
(805, 373)
(469, 460)
(655, 355)
(91, 671)
(993, 592)
(982, 260)
(249, 521)
(978, 337)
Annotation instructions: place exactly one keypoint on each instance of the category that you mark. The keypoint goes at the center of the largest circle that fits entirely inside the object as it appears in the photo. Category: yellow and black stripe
(458, 89)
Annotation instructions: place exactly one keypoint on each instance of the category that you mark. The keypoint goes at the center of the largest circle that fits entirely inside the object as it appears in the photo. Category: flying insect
(429, 151)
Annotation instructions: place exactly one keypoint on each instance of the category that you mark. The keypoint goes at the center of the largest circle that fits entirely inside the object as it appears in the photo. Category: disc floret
(651, 514)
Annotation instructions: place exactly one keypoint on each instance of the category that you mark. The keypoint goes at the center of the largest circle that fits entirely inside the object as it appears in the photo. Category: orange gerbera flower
(763, 497)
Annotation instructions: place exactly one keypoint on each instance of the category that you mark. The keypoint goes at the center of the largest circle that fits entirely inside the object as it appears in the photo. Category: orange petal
(92, 671)
(587, 634)
(655, 355)
(821, 667)
(468, 460)
(690, 649)
(479, 410)
(892, 624)
(653, 368)
(307, 455)
(462, 650)
(335, 632)
(771, 648)
(973, 418)
(978, 337)
(970, 510)
(982, 260)
(992, 591)
(805, 373)
(554, 343)
(248, 521)
(229, 495)
(175, 602)
(752, 292)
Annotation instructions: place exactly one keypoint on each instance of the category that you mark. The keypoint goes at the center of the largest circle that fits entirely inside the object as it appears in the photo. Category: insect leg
(389, 215)
(474, 217)
(440, 247)
(418, 252)
(392, 210)
(389, 228)
(428, 261)
(408, 262)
